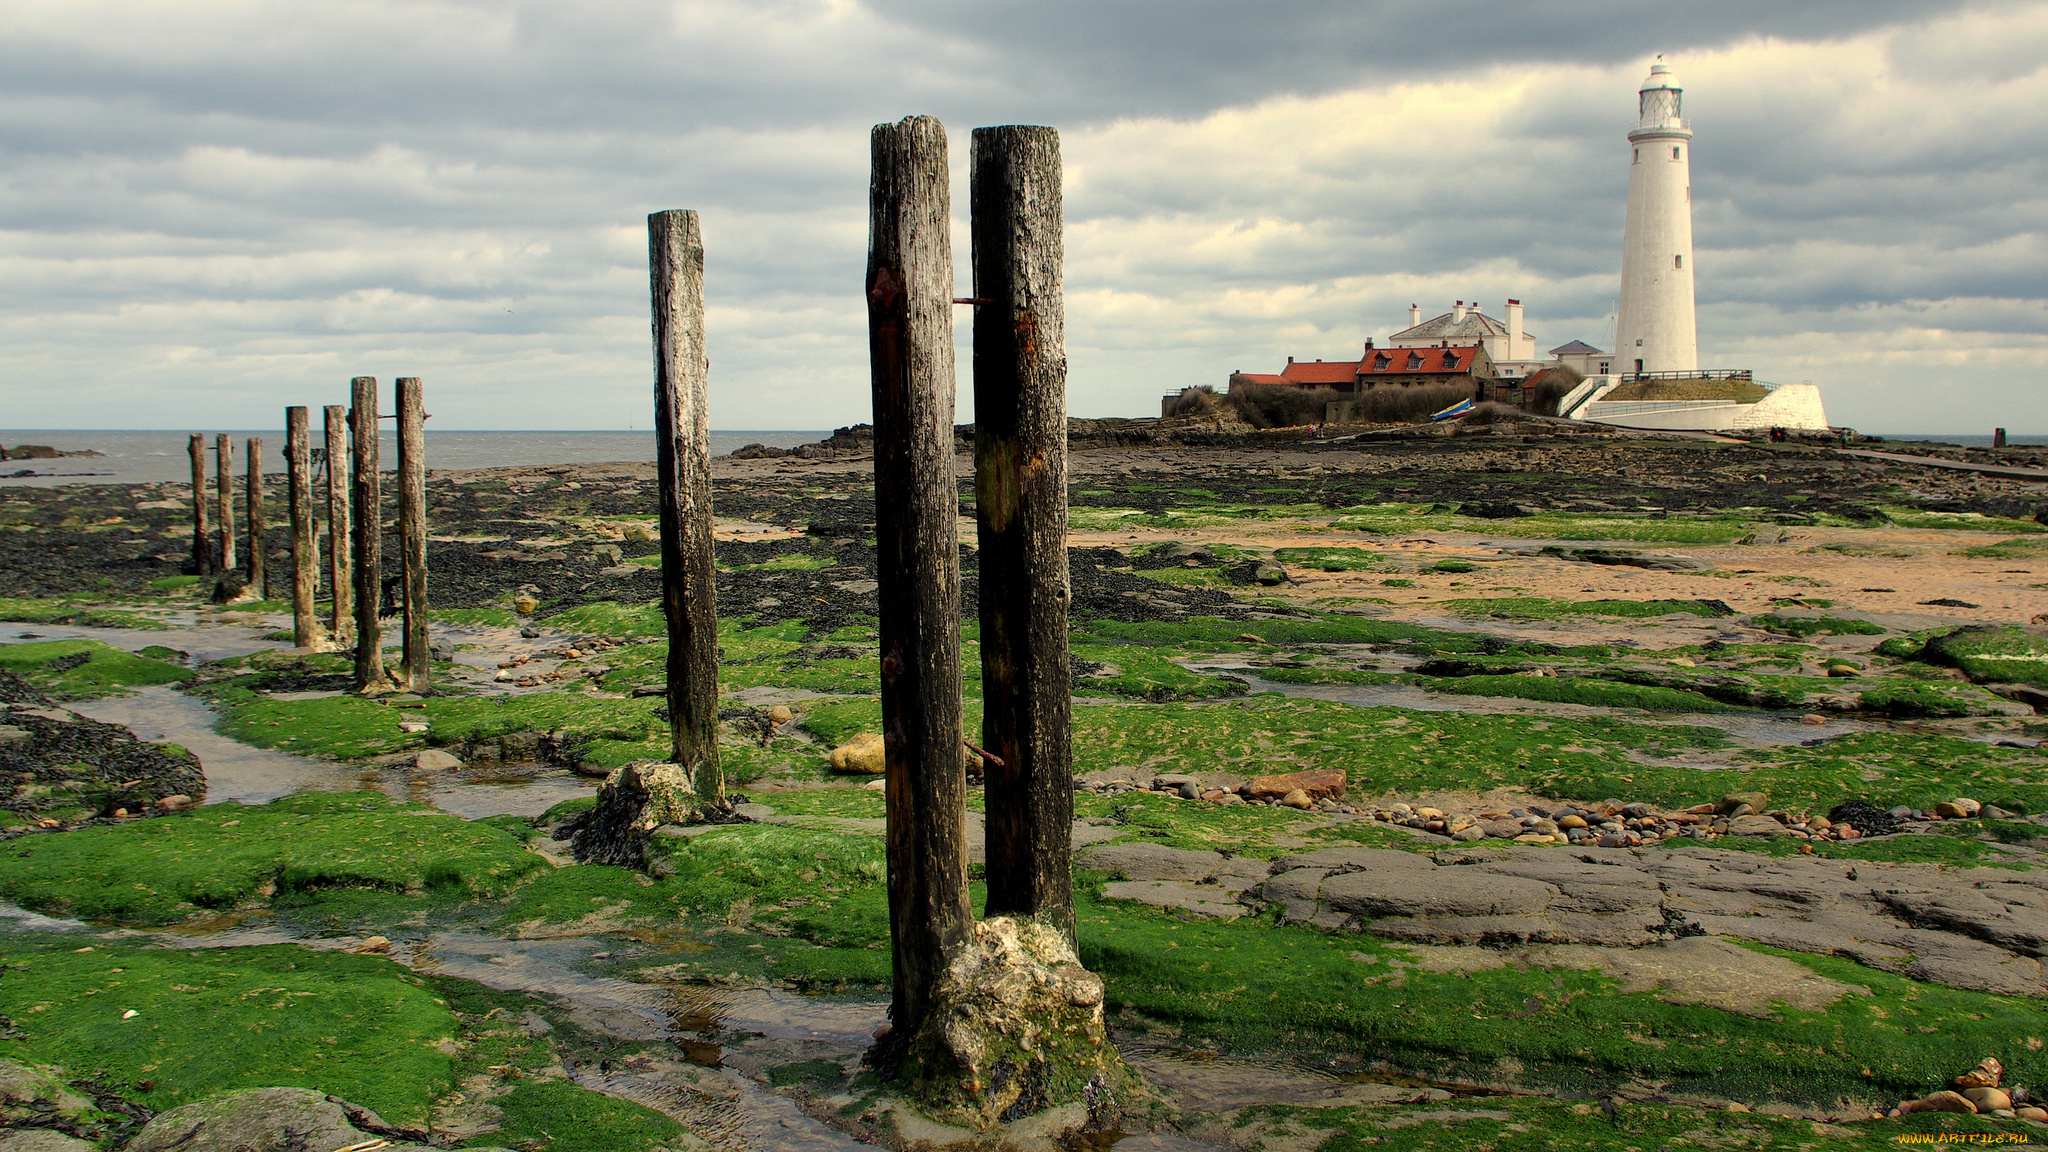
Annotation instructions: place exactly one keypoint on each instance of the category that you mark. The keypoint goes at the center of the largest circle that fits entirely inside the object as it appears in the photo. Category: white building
(1654, 329)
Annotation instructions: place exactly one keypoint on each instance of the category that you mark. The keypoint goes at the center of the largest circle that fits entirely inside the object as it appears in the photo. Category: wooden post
(910, 351)
(1020, 485)
(298, 461)
(675, 261)
(340, 540)
(412, 530)
(224, 498)
(366, 502)
(1998, 437)
(253, 479)
(202, 531)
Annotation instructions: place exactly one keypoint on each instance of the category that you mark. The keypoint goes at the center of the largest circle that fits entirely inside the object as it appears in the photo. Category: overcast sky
(212, 209)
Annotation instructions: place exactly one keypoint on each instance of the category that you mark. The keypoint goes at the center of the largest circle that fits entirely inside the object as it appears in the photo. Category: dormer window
(1380, 362)
(1414, 361)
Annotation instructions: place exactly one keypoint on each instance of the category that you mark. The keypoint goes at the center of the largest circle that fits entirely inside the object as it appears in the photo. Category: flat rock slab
(1200, 901)
(1151, 861)
(260, 1120)
(1436, 892)
(1354, 860)
(41, 1140)
(1705, 970)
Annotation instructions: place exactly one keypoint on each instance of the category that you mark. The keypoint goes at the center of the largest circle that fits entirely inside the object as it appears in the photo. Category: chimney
(1514, 320)
(1368, 343)
(1290, 359)
(1414, 315)
(1458, 313)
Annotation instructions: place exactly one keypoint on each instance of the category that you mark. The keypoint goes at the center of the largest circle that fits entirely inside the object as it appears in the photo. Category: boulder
(41, 1140)
(1015, 1028)
(435, 758)
(1757, 801)
(33, 1093)
(1757, 826)
(635, 799)
(861, 756)
(525, 604)
(1318, 784)
(262, 1120)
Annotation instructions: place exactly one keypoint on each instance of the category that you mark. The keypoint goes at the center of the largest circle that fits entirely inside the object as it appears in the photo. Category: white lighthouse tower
(1654, 328)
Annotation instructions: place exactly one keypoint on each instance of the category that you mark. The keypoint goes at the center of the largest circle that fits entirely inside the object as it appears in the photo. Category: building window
(1639, 364)
(1638, 158)
(1674, 153)
(1678, 261)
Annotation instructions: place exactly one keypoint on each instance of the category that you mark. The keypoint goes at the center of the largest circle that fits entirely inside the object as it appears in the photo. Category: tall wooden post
(910, 351)
(224, 498)
(366, 502)
(202, 531)
(340, 539)
(298, 462)
(1020, 485)
(682, 373)
(252, 469)
(412, 529)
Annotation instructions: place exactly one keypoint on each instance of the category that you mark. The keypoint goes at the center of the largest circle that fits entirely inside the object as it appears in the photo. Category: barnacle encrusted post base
(1015, 1029)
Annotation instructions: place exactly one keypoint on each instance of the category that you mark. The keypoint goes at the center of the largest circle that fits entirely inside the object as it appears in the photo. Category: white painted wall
(1795, 406)
(1655, 324)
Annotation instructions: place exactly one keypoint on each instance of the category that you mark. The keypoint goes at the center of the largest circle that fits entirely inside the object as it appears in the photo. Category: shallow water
(249, 775)
(203, 642)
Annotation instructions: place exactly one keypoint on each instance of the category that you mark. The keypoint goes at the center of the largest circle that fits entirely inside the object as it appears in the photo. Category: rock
(1349, 859)
(861, 756)
(32, 1093)
(1986, 1074)
(525, 604)
(9, 734)
(1151, 861)
(1757, 801)
(1757, 826)
(2035, 1114)
(634, 800)
(1435, 892)
(1318, 783)
(1948, 810)
(1813, 718)
(1269, 573)
(610, 554)
(1573, 821)
(174, 802)
(260, 1120)
(436, 759)
(1987, 1099)
(373, 944)
(1469, 833)
(1015, 1028)
(780, 714)
(1189, 900)
(1296, 799)
(41, 1140)
(638, 532)
(1945, 1102)
(1970, 808)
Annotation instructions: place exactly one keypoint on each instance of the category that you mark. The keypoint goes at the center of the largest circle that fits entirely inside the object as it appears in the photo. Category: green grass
(33, 611)
(1539, 608)
(1679, 528)
(487, 617)
(1803, 626)
(213, 1020)
(1968, 521)
(2020, 548)
(295, 850)
(1329, 559)
(106, 670)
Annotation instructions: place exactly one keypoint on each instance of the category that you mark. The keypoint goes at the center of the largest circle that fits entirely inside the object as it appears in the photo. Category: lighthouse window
(1674, 153)
(1678, 261)
(1639, 154)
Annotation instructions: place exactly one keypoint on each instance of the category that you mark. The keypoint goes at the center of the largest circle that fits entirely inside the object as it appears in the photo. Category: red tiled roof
(1320, 372)
(1417, 361)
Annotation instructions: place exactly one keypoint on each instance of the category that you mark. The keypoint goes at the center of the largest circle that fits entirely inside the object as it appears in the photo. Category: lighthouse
(1654, 327)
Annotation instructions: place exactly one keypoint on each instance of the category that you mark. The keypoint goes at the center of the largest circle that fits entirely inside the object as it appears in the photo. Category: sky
(213, 209)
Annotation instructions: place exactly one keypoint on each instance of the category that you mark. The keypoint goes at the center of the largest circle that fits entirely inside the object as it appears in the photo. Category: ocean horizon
(148, 456)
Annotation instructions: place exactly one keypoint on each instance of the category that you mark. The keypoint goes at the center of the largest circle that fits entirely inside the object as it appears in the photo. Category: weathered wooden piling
(202, 531)
(224, 498)
(412, 529)
(1020, 480)
(252, 467)
(910, 350)
(340, 536)
(366, 505)
(298, 462)
(675, 261)
(1998, 437)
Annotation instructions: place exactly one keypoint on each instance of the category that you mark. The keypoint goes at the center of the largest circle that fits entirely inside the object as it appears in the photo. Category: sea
(137, 457)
